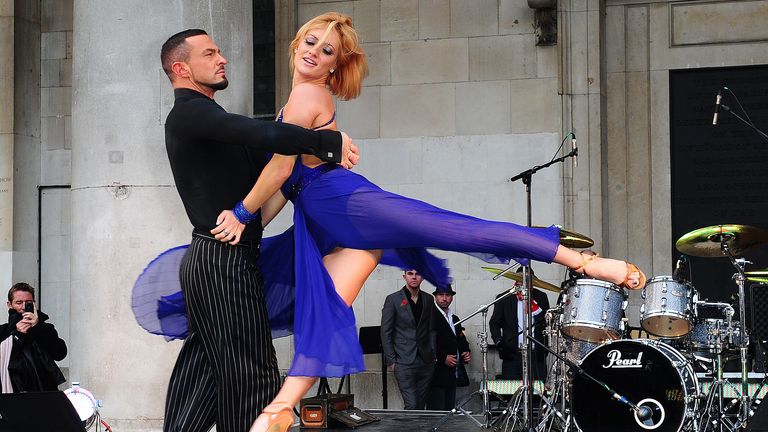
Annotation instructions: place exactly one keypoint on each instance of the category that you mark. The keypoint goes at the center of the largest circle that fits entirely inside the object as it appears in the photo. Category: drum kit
(605, 377)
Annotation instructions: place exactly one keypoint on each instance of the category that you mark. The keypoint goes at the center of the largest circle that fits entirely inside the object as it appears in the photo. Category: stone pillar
(125, 209)
(26, 103)
(580, 38)
(6, 141)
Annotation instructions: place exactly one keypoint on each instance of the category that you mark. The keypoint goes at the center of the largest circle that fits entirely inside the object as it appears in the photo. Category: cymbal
(538, 283)
(758, 279)
(572, 239)
(706, 242)
(762, 272)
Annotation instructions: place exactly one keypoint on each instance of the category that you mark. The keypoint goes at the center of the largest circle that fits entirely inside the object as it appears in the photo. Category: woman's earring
(331, 70)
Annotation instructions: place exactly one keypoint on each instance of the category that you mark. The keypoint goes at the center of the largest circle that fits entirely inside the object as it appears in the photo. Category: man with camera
(29, 346)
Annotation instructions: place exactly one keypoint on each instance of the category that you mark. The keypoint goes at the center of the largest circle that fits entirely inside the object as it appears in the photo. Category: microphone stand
(727, 109)
(527, 177)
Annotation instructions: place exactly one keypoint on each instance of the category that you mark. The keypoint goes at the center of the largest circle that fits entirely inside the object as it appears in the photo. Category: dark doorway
(264, 59)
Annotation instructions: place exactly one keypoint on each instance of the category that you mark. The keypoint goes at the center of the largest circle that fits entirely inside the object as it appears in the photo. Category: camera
(29, 307)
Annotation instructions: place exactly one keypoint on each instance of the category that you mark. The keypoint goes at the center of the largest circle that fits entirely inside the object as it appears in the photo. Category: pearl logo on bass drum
(616, 362)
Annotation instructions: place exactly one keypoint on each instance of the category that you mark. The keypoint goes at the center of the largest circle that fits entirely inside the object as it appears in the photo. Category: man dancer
(227, 369)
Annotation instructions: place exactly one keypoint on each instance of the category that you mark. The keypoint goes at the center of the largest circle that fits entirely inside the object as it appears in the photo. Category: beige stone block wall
(535, 105)
(417, 110)
(474, 18)
(413, 45)
(56, 86)
(434, 19)
(429, 61)
(502, 57)
(398, 20)
(483, 107)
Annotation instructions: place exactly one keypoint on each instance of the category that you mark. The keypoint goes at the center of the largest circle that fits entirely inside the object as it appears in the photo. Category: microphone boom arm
(527, 174)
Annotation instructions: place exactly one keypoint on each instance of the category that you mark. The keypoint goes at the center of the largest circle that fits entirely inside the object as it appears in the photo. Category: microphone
(644, 412)
(575, 151)
(717, 105)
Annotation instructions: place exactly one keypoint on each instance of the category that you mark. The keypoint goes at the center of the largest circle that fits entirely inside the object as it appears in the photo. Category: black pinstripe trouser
(226, 372)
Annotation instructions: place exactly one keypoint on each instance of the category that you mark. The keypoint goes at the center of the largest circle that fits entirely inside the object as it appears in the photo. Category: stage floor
(410, 421)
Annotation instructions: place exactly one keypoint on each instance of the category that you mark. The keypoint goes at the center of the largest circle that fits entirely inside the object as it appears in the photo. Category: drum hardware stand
(555, 380)
(527, 291)
(710, 415)
(484, 393)
(739, 277)
(510, 413)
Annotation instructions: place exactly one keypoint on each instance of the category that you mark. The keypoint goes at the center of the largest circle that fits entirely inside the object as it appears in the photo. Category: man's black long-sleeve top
(217, 156)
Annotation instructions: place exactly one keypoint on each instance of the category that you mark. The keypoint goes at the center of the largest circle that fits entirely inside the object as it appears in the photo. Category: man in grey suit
(408, 339)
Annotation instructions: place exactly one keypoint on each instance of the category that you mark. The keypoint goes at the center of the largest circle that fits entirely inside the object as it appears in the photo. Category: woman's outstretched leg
(607, 269)
(349, 269)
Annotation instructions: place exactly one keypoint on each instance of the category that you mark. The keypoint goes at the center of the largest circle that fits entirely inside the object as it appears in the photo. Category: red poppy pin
(404, 303)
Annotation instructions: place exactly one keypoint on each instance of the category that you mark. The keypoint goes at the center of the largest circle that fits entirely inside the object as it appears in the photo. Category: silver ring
(226, 233)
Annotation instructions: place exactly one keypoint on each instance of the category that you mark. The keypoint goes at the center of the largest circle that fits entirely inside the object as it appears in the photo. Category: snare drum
(667, 309)
(593, 311)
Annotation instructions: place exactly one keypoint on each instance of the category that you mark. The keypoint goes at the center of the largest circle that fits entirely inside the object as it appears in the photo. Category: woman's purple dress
(335, 207)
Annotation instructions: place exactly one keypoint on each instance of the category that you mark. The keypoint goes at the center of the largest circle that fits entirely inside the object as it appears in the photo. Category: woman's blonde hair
(351, 65)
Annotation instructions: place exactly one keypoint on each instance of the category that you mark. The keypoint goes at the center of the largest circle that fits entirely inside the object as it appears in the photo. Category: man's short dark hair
(21, 286)
(176, 49)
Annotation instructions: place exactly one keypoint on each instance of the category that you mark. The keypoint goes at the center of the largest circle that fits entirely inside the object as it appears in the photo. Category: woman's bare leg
(349, 269)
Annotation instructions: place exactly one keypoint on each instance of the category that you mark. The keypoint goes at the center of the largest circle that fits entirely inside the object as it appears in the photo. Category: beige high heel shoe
(631, 268)
(274, 421)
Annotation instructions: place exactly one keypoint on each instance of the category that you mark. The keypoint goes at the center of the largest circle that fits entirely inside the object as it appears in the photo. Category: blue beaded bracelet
(243, 215)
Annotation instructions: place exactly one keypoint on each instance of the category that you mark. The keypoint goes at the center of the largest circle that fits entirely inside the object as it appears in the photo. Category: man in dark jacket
(29, 346)
(452, 351)
(408, 339)
(506, 327)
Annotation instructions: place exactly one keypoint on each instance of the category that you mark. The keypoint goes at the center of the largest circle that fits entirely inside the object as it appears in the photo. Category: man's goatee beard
(221, 85)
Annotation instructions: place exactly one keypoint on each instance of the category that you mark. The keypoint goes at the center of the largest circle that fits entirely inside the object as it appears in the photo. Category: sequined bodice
(302, 176)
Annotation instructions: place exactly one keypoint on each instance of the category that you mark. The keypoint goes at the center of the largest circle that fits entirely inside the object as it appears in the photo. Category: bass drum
(648, 373)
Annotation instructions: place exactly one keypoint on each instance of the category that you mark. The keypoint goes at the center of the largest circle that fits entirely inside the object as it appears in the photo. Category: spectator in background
(408, 339)
(29, 346)
(507, 333)
(452, 351)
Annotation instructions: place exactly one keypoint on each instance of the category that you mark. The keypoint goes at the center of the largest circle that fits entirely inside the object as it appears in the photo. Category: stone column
(580, 37)
(6, 141)
(125, 209)
(26, 101)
